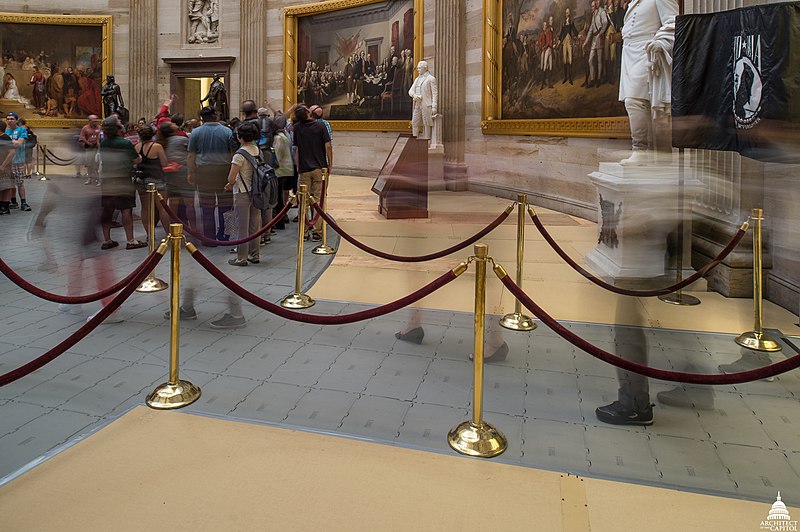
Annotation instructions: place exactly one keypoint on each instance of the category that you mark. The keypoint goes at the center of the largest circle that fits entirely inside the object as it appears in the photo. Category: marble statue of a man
(424, 93)
(645, 84)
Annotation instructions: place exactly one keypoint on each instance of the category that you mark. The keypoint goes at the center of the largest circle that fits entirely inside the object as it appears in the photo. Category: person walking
(313, 153)
(209, 162)
(240, 182)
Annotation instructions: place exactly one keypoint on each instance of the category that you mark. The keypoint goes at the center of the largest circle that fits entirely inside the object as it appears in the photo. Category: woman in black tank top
(153, 159)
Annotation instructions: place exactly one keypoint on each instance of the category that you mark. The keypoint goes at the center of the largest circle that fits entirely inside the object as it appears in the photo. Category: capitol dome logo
(778, 519)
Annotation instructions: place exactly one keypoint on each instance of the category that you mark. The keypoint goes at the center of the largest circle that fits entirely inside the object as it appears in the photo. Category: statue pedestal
(637, 223)
(436, 167)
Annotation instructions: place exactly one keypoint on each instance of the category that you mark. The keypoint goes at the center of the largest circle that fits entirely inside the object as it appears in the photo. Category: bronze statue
(112, 99)
(217, 97)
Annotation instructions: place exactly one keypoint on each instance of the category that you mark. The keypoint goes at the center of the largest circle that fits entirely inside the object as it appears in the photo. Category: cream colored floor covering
(356, 276)
(152, 470)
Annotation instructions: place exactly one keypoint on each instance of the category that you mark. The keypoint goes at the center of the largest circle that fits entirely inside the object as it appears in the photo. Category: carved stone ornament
(202, 21)
(611, 217)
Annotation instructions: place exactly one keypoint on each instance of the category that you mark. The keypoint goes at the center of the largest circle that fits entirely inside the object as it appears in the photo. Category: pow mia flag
(736, 82)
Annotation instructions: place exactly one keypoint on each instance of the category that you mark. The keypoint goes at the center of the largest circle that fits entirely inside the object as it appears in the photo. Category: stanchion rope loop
(737, 238)
(204, 239)
(15, 278)
(421, 258)
(151, 262)
(229, 283)
(675, 376)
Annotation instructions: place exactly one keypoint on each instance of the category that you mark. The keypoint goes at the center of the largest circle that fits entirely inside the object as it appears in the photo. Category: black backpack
(265, 189)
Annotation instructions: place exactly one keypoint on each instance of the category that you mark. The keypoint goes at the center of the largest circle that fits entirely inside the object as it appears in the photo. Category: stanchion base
(152, 284)
(680, 299)
(482, 440)
(44, 178)
(167, 396)
(323, 249)
(517, 322)
(296, 301)
(758, 341)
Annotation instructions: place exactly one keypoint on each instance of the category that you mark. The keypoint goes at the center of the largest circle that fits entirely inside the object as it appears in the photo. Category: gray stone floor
(358, 380)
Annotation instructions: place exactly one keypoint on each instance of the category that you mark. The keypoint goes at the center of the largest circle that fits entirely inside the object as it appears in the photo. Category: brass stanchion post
(175, 393)
(476, 437)
(678, 297)
(517, 321)
(324, 248)
(36, 172)
(152, 283)
(757, 339)
(44, 164)
(298, 299)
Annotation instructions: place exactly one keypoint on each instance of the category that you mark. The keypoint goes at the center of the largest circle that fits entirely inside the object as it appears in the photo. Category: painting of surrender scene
(358, 63)
(561, 59)
(51, 70)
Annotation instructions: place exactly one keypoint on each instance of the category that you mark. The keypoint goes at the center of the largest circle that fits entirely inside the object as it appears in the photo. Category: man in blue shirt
(18, 136)
(209, 161)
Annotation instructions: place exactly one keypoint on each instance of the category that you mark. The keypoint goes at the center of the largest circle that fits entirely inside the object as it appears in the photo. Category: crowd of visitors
(204, 171)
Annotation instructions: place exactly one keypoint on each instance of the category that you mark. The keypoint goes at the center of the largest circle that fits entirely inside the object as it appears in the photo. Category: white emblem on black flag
(747, 82)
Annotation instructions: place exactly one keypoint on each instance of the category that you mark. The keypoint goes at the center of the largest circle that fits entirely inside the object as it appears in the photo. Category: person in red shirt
(546, 53)
(89, 140)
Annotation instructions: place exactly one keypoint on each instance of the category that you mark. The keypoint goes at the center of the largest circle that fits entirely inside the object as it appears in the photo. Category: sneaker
(25, 207)
(229, 322)
(13, 205)
(237, 262)
(108, 244)
(185, 314)
(234, 251)
(69, 309)
(616, 414)
(113, 318)
(4, 210)
(254, 260)
(88, 181)
(135, 244)
(316, 237)
(78, 175)
(265, 240)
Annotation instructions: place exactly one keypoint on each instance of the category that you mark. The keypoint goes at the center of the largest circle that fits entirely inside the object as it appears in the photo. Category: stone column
(142, 100)
(253, 54)
(450, 72)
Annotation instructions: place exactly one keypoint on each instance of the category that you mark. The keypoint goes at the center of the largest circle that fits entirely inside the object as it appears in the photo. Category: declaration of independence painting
(52, 66)
(359, 62)
(561, 59)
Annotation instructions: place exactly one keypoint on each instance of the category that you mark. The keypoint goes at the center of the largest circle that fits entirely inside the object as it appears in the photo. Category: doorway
(190, 91)
(190, 79)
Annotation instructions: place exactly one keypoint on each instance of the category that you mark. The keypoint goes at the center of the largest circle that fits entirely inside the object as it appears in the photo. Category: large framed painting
(354, 58)
(53, 66)
(551, 68)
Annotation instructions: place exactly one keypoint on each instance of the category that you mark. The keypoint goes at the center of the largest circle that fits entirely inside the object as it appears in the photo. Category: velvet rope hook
(229, 283)
(15, 278)
(202, 238)
(421, 258)
(675, 376)
(90, 325)
(639, 293)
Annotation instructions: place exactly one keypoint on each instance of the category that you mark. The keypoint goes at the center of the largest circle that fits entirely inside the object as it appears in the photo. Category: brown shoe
(136, 244)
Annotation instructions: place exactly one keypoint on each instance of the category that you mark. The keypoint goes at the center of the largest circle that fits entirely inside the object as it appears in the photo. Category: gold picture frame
(292, 16)
(492, 120)
(104, 22)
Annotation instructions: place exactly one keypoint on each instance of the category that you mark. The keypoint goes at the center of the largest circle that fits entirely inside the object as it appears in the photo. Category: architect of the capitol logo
(778, 519)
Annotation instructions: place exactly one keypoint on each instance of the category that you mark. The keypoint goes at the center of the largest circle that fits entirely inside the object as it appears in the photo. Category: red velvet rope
(675, 376)
(313, 221)
(6, 270)
(86, 328)
(422, 258)
(425, 291)
(638, 293)
(202, 238)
